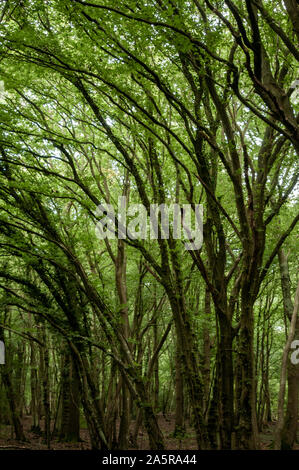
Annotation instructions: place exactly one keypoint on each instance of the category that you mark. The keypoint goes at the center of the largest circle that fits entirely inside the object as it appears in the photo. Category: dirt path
(35, 441)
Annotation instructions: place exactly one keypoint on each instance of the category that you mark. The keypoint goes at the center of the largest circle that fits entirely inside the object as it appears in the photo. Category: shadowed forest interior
(111, 338)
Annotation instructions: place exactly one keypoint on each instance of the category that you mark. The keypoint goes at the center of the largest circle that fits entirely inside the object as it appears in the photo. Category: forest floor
(188, 442)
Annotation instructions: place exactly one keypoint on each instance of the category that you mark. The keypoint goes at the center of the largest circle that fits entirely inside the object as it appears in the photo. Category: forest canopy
(182, 102)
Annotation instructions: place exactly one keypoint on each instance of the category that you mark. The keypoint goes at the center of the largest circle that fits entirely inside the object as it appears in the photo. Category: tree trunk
(179, 395)
(46, 387)
(70, 409)
(289, 432)
(247, 427)
(280, 413)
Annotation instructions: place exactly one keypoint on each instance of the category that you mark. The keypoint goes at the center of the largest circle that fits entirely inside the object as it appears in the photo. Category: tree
(159, 102)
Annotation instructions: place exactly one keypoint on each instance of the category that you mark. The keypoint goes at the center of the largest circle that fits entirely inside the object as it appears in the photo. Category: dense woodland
(160, 101)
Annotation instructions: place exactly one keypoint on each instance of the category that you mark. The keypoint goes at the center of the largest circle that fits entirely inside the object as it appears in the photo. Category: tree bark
(283, 375)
